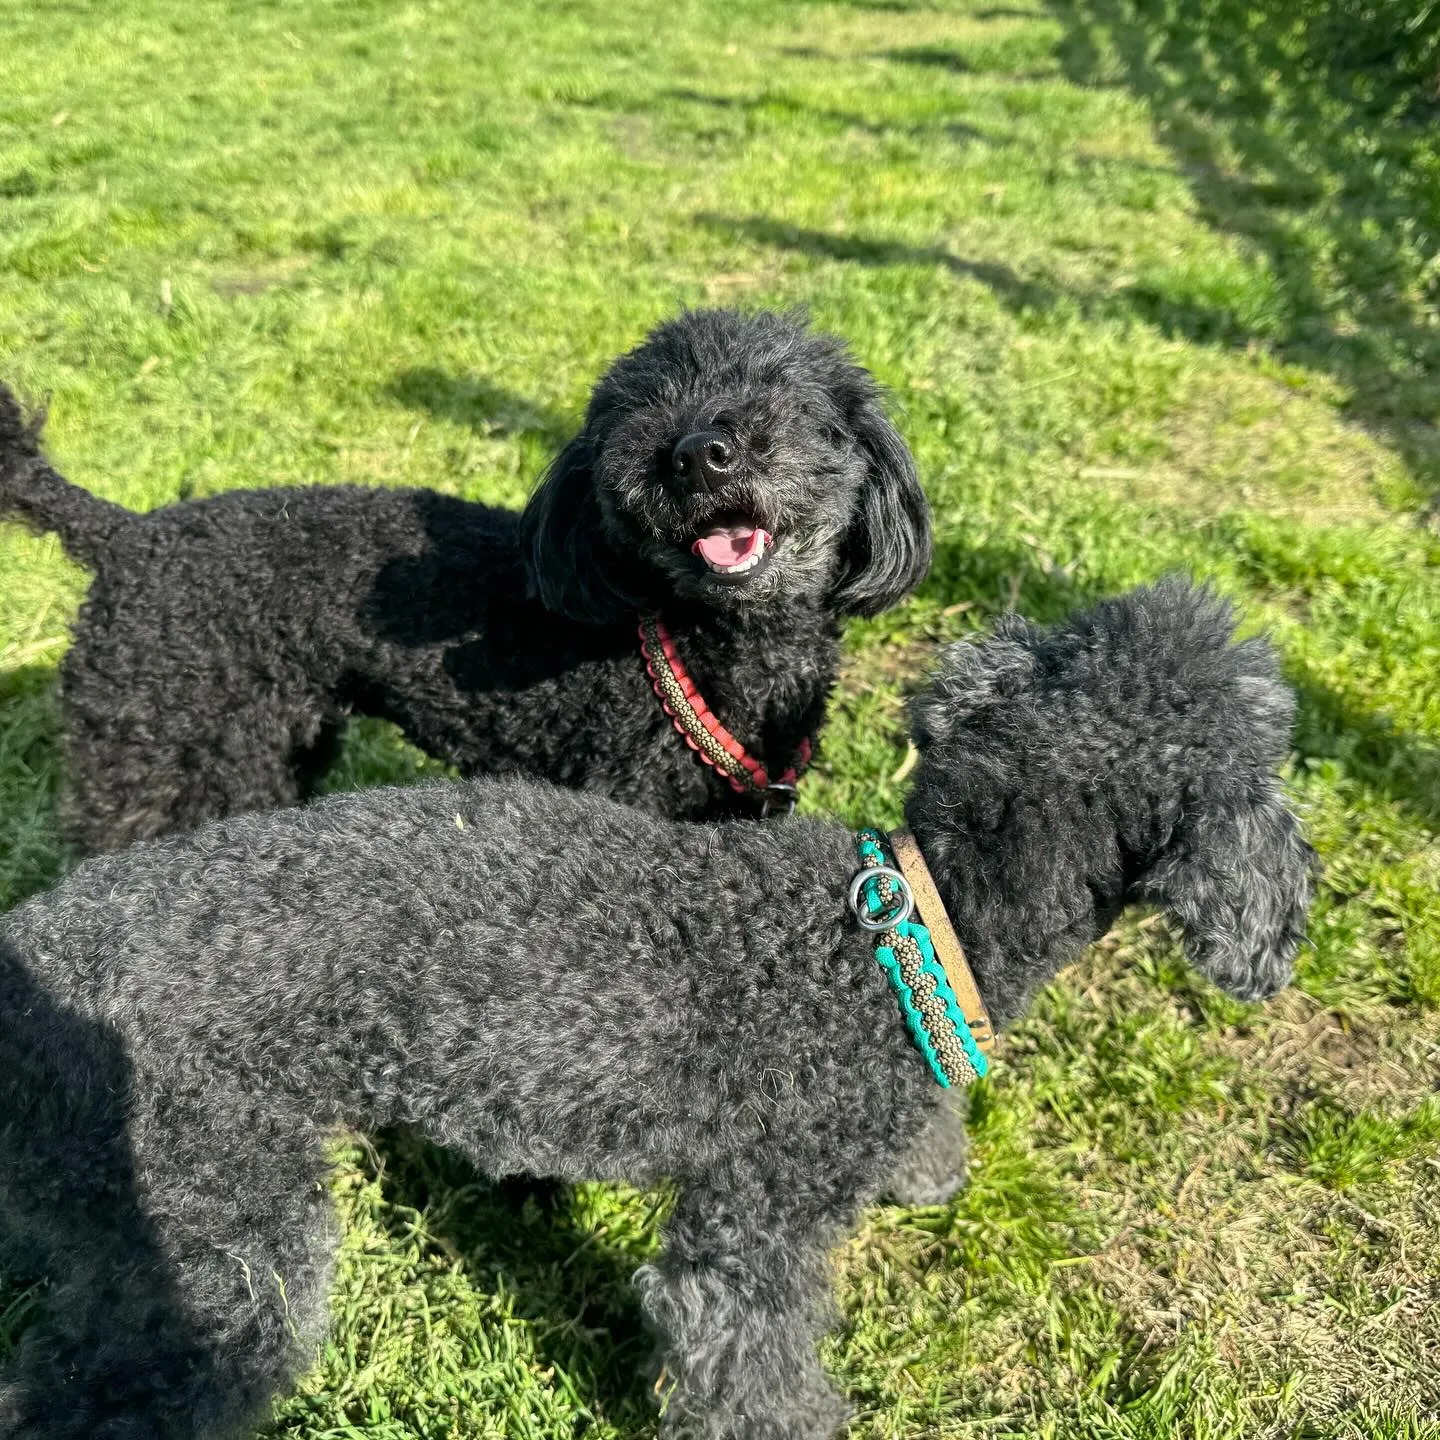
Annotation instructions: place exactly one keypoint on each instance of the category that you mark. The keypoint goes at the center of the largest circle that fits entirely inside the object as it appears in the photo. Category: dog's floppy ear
(1238, 880)
(886, 552)
(568, 565)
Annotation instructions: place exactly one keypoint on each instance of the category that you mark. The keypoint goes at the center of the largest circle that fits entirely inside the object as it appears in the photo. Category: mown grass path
(1154, 286)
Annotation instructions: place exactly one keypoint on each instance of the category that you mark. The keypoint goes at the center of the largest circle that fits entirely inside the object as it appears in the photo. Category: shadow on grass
(787, 107)
(32, 854)
(1394, 765)
(524, 1237)
(946, 58)
(781, 108)
(480, 404)
(888, 7)
(1013, 290)
(933, 57)
(994, 576)
(1312, 134)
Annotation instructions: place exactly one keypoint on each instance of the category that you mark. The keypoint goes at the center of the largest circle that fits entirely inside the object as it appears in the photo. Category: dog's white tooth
(740, 567)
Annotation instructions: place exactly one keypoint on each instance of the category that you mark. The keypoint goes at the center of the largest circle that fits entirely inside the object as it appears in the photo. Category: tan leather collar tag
(948, 949)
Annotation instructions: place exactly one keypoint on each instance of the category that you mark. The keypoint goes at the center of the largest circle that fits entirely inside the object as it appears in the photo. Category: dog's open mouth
(734, 550)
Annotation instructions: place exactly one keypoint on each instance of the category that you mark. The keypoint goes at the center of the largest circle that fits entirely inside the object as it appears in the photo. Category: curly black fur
(224, 640)
(551, 982)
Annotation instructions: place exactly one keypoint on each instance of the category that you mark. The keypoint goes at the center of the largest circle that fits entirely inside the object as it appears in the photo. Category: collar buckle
(778, 799)
(872, 914)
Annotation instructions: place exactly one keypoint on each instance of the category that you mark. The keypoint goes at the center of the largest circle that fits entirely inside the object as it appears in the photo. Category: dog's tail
(31, 490)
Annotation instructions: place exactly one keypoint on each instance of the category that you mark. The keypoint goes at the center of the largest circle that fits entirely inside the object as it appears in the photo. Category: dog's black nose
(705, 457)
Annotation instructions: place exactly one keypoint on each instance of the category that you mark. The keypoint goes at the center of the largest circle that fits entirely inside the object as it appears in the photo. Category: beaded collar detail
(704, 733)
(938, 996)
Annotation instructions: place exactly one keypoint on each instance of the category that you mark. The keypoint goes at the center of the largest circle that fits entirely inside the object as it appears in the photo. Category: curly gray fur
(550, 982)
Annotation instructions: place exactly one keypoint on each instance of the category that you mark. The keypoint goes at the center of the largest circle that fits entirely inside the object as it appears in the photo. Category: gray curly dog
(554, 983)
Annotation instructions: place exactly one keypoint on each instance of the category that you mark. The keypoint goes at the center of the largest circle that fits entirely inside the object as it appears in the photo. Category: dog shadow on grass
(1387, 761)
(32, 853)
(480, 404)
(992, 575)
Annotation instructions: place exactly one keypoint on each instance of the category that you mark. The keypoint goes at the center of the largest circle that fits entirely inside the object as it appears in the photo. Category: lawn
(1154, 284)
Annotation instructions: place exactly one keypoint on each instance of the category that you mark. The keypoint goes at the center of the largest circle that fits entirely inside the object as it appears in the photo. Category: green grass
(1154, 286)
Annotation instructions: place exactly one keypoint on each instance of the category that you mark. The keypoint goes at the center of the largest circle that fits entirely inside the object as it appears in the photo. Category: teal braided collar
(885, 904)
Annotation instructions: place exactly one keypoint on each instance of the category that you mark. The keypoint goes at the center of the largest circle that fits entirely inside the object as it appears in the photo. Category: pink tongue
(730, 544)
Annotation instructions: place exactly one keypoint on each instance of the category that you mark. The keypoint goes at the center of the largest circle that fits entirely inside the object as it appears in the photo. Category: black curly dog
(734, 473)
(551, 982)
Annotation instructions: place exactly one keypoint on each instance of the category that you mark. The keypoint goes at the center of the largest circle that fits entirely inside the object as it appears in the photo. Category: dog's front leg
(933, 1170)
(737, 1300)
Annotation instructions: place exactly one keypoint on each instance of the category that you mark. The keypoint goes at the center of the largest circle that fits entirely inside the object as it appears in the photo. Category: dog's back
(224, 640)
(346, 959)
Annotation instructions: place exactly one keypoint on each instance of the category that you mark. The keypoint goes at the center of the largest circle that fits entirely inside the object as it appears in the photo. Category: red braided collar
(697, 724)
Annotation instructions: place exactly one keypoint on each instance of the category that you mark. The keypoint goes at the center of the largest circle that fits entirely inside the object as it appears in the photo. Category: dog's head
(738, 461)
(1128, 754)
